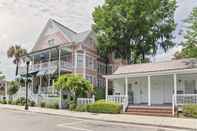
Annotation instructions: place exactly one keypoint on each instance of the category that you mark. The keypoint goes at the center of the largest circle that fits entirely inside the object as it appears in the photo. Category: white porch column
(175, 88)
(75, 62)
(126, 86)
(84, 64)
(59, 71)
(49, 68)
(59, 60)
(149, 91)
(106, 88)
(32, 66)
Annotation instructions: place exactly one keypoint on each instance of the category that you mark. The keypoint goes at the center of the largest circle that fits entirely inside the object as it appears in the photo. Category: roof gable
(59, 34)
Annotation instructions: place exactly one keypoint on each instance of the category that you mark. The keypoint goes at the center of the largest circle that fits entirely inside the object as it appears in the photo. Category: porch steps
(149, 111)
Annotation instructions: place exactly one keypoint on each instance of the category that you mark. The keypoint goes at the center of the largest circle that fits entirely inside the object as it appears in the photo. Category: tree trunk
(16, 68)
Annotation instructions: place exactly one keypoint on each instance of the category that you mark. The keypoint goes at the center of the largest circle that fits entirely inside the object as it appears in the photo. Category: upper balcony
(48, 67)
(50, 61)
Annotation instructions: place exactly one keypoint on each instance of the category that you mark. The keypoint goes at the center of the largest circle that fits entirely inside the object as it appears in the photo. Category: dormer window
(51, 42)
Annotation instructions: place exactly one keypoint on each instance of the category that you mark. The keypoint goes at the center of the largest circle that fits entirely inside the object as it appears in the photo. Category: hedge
(190, 110)
(81, 108)
(103, 106)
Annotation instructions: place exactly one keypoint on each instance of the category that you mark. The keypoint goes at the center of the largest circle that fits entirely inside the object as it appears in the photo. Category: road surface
(11, 120)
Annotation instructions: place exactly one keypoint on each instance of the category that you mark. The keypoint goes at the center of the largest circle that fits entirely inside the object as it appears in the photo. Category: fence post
(93, 99)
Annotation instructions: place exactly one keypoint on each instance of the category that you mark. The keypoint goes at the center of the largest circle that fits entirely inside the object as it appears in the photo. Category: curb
(122, 122)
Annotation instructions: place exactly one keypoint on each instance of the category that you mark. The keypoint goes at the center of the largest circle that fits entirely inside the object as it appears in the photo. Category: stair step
(150, 111)
(148, 114)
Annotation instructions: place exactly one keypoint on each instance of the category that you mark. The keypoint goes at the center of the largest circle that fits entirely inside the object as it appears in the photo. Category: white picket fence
(121, 99)
(83, 101)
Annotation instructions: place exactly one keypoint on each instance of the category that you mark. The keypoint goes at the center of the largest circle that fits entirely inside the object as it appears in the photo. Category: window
(79, 60)
(101, 83)
(101, 68)
(95, 64)
(90, 78)
(109, 69)
(51, 42)
(89, 62)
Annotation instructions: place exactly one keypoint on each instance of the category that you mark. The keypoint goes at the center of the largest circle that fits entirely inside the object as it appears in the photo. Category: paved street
(26, 121)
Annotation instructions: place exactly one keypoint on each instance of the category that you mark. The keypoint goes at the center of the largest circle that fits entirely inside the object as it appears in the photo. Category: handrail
(122, 99)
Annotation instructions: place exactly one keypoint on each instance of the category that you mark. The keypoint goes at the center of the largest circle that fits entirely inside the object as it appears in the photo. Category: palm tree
(16, 52)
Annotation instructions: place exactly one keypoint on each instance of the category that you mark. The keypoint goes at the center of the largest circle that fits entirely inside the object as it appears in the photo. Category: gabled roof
(69, 33)
(157, 67)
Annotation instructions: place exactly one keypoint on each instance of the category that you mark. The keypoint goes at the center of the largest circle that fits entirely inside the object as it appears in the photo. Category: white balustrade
(121, 99)
(45, 66)
(183, 99)
(83, 101)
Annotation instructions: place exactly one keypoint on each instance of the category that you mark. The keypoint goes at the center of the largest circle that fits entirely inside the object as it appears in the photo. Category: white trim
(175, 87)
(75, 61)
(126, 86)
(84, 64)
(158, 73)
(149, 91)
(106, 88)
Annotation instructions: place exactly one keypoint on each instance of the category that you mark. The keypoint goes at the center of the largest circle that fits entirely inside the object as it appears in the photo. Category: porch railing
(83, 101)
(121, 99)
(182, 99)
(46, 65)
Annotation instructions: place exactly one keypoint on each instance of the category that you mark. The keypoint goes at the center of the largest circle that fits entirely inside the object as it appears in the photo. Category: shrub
(99, 93)
(21, 101)
(42, 104)
(14, 102)
(4, 101)
(190, 110)
(81, 108)
(72, 105)
(9, 101)
(102, 106)
(32, 103)
(53, 105)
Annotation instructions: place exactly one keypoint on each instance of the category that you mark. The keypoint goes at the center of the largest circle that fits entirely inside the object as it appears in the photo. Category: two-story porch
(47, 65)
(144, 86)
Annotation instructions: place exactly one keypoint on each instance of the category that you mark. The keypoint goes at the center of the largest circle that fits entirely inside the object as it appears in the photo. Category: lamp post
(27, 73)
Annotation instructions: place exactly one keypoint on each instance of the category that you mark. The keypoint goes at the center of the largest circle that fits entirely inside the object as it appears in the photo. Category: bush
(81, 108)
(42, 104)
(100, 93)
(102, 106)
(21, 101)
(32, 103)
(4, 101)
(72, 105)
(53, 105)
(13, 102)
(9, 101)
(190, 110)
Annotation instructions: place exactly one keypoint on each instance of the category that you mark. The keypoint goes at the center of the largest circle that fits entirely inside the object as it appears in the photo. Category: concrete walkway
(181, 123)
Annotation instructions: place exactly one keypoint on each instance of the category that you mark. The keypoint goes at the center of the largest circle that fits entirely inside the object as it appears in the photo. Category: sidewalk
(122, 118)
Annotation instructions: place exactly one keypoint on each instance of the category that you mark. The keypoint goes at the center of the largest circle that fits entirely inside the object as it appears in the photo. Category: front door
(157, 92)
(134, 93)
(130, 94)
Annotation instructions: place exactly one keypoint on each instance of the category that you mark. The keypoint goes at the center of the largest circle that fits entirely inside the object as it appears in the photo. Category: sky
(23, 20)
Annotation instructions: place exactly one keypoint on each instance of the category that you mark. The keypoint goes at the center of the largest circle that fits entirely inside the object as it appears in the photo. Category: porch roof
(173, 66)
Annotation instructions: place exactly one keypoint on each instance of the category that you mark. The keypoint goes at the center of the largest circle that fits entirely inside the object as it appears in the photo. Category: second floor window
(79, 60)
(89, 62)
(51, 42)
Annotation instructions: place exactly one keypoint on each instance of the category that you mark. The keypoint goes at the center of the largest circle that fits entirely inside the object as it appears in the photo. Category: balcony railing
(65, 65)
